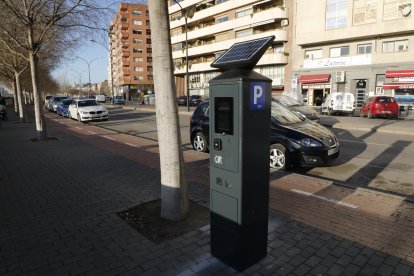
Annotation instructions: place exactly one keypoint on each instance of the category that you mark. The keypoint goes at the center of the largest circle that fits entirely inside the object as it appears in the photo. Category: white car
(87, 110)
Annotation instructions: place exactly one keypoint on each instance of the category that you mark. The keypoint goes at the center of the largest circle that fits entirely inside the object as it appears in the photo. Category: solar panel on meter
(243, 55)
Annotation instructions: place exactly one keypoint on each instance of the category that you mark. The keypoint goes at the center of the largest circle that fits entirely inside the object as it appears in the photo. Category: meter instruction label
(257, 95)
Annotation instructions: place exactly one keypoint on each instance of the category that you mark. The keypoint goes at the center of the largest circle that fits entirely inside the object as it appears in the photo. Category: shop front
(315, 88)
(401, 85)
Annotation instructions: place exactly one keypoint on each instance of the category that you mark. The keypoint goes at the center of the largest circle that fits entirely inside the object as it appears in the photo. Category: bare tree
(174, 202)
(43, 21)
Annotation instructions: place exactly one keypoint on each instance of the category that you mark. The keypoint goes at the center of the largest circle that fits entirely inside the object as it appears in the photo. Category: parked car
(54, 102)
(87, 110)
(182, 100)
(380, 106)
(47, 98)
(119, 100)
(338, 103)
(63, 108)
(298, 107)
(100, 98)
(295, 141)
(194, 100)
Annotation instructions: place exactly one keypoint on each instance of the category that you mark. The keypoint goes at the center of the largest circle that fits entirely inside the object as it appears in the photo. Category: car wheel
(369, 115)
(330, 111)
(79, 118)
(279, 157)
(199, 142)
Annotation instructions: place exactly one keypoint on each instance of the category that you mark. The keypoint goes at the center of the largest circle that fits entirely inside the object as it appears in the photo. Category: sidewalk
(59, 199)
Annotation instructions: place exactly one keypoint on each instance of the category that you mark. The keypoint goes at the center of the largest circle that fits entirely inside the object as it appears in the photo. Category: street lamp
(80, 78)
(187, 81)
(110, 61)
(89, 70)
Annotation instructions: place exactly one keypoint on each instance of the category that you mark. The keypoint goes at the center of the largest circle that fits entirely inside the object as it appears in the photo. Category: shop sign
(337, 62)
(316, 86)
(361, 84)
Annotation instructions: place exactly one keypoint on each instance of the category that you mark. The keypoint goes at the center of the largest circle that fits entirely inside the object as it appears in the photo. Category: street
(369, 159)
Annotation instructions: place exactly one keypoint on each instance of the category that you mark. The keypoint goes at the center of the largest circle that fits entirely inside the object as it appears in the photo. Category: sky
(74, 69)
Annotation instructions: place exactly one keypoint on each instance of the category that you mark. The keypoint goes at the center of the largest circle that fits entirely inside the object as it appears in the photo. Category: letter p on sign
(257, 95)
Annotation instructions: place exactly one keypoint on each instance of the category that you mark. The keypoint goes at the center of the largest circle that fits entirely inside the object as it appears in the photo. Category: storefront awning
(398, 85)
(314, 78)
(399, 73)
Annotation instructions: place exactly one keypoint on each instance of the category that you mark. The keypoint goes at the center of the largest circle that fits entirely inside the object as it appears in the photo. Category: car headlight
(308, 142)
(84, 112)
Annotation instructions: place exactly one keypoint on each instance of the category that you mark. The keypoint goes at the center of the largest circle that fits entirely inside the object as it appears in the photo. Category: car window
(87, 103)
(67, 102)
(385, 100)
(204, 109)
(288, 101)
(283, 115)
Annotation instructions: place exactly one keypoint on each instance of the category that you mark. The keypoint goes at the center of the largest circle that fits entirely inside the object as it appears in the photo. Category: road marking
(110, 138)
(326, 199)
(78, 127)
(132, 145)
(91, 132)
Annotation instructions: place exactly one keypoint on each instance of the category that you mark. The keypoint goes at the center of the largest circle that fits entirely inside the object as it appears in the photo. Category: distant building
(131, 52)
(358, 46)
(214, 26)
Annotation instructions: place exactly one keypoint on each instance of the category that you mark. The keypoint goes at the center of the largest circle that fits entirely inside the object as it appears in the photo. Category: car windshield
(119, 98)
(67, 102)
(284, 115)
(385, 100)
(58, 99)
(87, 103)
(288, 101)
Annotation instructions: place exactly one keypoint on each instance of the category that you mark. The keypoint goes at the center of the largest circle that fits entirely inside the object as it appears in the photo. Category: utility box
(240, 104)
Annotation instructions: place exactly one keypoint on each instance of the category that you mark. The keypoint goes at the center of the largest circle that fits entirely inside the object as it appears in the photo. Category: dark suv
(294, 139)
(195, 100)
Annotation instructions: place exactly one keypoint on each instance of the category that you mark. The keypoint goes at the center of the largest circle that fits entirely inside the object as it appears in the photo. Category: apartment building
(131, 52)
(365, 47)
(215, 25)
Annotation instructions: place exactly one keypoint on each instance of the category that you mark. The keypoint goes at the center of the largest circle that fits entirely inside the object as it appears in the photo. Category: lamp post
(89, 70)
(187, 81)
(110, 68)
(80, 78)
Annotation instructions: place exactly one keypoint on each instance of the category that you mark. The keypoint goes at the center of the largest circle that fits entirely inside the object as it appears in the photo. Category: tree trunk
(19, 95)
(39, 116)
(174, 202)
(15, 100)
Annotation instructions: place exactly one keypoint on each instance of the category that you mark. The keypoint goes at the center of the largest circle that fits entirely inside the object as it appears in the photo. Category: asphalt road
(371, 159)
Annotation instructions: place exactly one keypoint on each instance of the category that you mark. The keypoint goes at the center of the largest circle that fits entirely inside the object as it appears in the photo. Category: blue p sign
(257, 95)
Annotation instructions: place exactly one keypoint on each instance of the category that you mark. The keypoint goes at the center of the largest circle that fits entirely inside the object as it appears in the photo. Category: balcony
(124, 35)
(281, 35)
(125, 54)
(124, 7)
(258, 19)
(125, 62)
(124, 26)
(126, 72)
(125, 45)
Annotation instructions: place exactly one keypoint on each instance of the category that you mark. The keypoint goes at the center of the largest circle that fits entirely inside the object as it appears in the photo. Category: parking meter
(240, 102)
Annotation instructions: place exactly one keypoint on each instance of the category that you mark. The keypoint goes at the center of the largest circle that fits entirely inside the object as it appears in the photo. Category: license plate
(332, 151)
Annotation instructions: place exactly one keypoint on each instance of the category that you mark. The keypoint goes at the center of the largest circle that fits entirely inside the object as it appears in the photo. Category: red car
(380, 106)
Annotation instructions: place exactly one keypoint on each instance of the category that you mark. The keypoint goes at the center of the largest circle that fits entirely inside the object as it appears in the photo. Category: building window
(210, 75)
(136, 31)
(138, 78)
(138, 59)
(244, 33)
(175, 16)
(364, 49)
(176, 32)
(136, 40)
(339, 51)
(149, 41)
(394, 9)
(395, 46)
(194, 78)
(139, 69)
(136, 12)
(137, 50)
(220, 1)
(137, 22)
(149, 50)
(365, 11)
(244, 12)
(336, 13)
(275, 73)
(222, 19)
(176, 47)
(312, 54)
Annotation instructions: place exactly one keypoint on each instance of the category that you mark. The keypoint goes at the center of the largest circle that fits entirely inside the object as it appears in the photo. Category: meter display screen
(223, 115)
